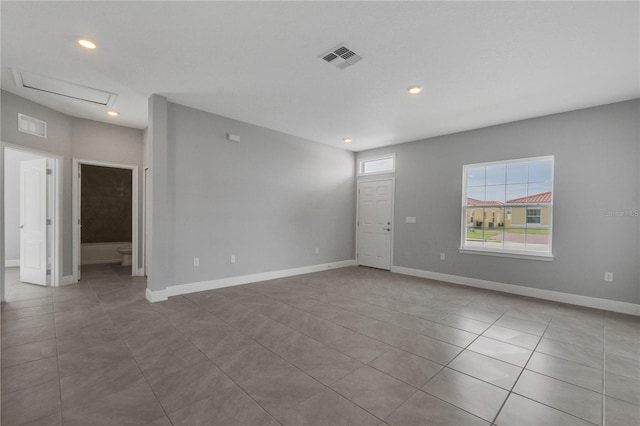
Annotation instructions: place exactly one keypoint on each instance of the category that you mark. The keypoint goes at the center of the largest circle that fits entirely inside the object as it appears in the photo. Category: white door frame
(377, 178)
(145, 233)
(55, 245)
(75, 190)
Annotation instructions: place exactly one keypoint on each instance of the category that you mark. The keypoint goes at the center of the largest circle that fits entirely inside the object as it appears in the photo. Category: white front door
(375, 211)
(33, 221)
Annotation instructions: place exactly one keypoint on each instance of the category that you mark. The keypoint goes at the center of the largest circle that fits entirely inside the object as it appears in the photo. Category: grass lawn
(476, 233)
(530, 231)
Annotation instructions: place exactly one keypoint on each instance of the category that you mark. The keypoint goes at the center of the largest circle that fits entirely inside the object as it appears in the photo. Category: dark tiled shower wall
(106, 204)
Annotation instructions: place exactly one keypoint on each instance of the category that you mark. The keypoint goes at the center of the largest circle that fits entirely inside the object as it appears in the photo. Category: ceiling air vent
(63, 88)
(341, 56)
(31, 125)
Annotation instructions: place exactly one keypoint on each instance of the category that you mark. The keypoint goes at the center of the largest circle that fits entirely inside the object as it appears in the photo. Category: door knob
(21, 226)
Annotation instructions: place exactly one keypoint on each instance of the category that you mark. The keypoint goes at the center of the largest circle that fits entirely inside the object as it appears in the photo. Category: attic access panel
(63, 88)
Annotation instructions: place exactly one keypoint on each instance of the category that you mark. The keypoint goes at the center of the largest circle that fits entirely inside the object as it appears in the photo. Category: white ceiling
(480, 63)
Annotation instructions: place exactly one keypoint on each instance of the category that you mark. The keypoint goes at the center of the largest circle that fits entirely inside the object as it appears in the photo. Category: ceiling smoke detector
(341, 56)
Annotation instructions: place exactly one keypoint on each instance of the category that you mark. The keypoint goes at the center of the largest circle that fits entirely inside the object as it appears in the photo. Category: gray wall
(70, 137)
(58, 142)
(12, 161)
(93, 140)
(161, 161)
(596, 169)
(270, 199)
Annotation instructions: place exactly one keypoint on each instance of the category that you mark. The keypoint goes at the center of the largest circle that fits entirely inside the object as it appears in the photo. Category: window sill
(527, 256)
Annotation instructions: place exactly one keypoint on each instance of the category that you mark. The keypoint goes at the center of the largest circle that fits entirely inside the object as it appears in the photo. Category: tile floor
(349, 346)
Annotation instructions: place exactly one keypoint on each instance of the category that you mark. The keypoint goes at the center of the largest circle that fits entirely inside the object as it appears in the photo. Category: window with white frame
(507, 207)
(377, 165)
(534, 215)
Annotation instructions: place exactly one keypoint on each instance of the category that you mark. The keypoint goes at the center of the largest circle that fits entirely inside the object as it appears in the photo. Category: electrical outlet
(233, 259)
(608, 277)
(196, 261)
(442, 256)
(317, 250)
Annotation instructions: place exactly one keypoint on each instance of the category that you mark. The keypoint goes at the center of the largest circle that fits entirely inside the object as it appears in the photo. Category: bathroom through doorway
(105, 207)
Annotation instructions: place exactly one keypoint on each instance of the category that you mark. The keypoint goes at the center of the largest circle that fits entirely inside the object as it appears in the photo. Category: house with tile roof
(543, 198)
(531, 211)
(514, 213)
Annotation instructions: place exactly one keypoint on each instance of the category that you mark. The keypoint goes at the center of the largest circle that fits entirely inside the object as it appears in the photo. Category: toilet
(126, 255)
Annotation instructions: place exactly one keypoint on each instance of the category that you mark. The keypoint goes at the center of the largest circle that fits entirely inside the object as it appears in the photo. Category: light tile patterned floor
(348, 346)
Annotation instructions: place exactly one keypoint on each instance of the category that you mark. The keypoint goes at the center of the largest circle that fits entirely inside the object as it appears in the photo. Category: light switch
(410, 219)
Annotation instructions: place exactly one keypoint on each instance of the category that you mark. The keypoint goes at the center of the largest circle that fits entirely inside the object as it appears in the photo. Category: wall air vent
(54, 86)
(341, 56)
(32, 126)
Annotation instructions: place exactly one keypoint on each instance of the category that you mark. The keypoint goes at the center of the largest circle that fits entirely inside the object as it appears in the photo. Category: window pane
(518, 218)
(493, 217)
(539, 188)
(492, 232)
(500, 217)
(474, 237)
(538, 239)
(475, 195)
(496, 175)
(517, 172)
(381, 165)
(470, 217)
(516, 193)
(538, 218)
(515, 239)
(475, 176)
(493, 238)
(540, 171)
(496, 194)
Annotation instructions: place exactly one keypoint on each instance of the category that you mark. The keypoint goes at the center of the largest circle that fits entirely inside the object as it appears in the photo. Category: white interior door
(33, 221)
(375, 211)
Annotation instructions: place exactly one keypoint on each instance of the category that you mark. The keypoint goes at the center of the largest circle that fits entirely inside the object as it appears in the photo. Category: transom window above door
(377, 165)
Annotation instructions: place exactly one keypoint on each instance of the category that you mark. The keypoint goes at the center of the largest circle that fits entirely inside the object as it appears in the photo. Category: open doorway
(31, 191)
(105, 210)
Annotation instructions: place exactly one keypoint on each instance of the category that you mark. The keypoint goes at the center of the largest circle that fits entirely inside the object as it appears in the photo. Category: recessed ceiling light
(414, 90)
(347, 140)
(113, 113)
(86, 43)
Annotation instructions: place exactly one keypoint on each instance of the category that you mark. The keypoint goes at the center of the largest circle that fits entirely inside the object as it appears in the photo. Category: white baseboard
(157, 296)
(556, 296)
(11, 263)
(68, 279)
